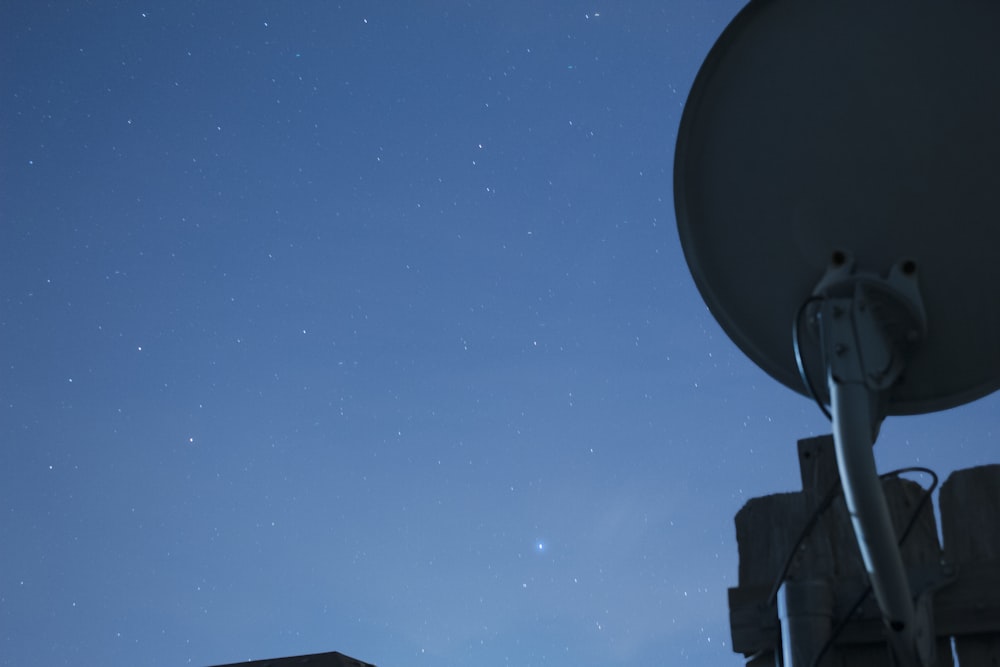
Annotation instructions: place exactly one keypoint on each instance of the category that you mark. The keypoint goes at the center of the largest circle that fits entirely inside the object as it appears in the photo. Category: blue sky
(317, 319)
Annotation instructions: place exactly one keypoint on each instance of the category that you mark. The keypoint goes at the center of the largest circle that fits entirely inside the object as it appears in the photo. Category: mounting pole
(805, 612)
(867, 327)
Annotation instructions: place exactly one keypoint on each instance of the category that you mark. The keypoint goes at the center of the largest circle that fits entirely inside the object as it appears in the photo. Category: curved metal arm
(852, 429)
(866, 325)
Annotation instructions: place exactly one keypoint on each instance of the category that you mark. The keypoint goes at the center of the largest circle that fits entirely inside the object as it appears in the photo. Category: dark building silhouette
(332, 659)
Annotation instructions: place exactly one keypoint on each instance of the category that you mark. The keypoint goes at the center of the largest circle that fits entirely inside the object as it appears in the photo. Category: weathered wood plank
(970, 523)
(968, 605)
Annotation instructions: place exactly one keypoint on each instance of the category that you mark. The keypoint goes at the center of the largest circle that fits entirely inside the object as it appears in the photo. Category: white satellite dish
(837, 171)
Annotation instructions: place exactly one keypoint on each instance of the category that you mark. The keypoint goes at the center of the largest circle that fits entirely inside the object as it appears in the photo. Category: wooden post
(966, 600)
(970, 523)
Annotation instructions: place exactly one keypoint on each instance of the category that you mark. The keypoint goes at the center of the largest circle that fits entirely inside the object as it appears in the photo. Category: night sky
(365, 327)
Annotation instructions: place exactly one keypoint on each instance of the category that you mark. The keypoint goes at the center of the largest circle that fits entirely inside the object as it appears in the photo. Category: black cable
(824, 504)
(797, 349)
(841, 625)
(868, 589)
(828, 499)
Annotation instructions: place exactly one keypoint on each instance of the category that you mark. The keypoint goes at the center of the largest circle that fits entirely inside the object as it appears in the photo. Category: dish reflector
(864, 127)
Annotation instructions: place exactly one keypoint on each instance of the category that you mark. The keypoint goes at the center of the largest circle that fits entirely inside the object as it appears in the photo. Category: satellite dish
(837, 171)
(871, 128)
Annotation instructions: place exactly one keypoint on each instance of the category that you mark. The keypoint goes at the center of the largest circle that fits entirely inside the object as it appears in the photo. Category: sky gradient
(365, 327)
